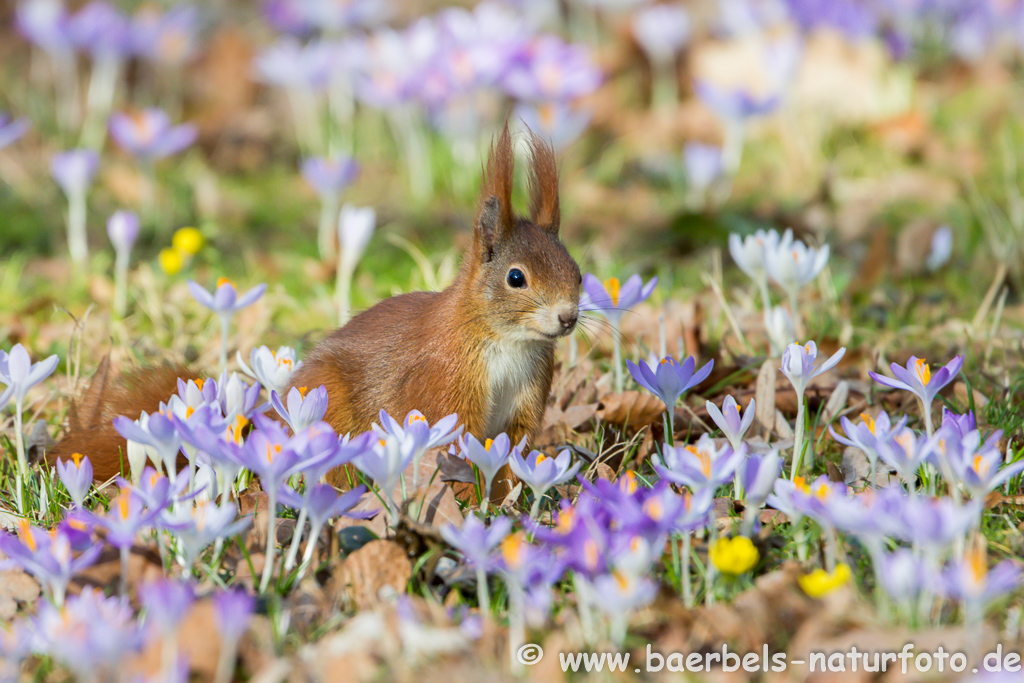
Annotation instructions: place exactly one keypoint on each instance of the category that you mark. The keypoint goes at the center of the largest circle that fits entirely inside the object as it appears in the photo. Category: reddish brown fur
(90, 420)
(430, 351)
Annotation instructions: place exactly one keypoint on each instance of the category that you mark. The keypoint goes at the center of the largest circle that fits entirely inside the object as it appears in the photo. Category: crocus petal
(200, 294)
(251, 296)
(889, 382)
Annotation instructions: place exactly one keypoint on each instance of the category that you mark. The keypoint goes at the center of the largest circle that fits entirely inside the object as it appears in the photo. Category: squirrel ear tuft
(496, 219)
(544, 211)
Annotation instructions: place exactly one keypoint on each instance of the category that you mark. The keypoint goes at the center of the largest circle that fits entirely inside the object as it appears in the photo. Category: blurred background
(890, 129)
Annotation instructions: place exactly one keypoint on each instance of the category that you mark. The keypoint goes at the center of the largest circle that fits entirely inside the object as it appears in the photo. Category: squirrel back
(483, 347)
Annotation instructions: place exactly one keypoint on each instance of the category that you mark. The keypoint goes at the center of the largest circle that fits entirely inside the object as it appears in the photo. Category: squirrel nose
(568, 319)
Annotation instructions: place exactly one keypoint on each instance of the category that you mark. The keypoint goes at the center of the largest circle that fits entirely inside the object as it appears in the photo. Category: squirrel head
(529, 283)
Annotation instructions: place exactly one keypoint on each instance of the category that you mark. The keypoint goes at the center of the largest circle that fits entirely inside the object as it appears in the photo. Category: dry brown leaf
(144, 565)
(198, 641)
(16, 588)
(631, 409)
(378, 570)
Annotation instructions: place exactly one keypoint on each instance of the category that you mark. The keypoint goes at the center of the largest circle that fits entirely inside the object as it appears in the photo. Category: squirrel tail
(90, 419)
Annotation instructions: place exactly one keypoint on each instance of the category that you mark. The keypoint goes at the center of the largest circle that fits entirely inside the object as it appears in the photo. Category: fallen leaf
(379, 570)
(631, 409)
(16, 588)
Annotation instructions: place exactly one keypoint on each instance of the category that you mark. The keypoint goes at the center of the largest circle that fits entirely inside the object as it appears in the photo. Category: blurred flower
(558, 122)
(868, 435)
(187, 241)
(157, 431)
(820, 582)
(940, 249)
(91, 635)
(793, 265)
(734, 556)
(11, 129)
(303, 410)
(978, 465)
(903, 575)
(551, 70)
(225, 302)
(74, 169)
(198, 525)
(662, 31)
(170, 260)
(917, 378)
(127, 516)
(759, 474)
(123, 229)
(320, 503)
(476, 541)
(778, 324)
(703, 163)
(233, 610)
(45, 24)
(47, 557)
(736, 104)
(273, 369)
(972, 582)
(76, 475)
(166, 603)
(752, 252)
(729, 420)
(443, 432)
(166, 37)
(540, 473)
(329, 175)
(798, 364)
(355, 227)
(853, 19)
(302, 17)
(148, 135)
(100, 30)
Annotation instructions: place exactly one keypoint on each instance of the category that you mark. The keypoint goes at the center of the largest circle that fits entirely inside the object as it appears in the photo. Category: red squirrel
(483, 348)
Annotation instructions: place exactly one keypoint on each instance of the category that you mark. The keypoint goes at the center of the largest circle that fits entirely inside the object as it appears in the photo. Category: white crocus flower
(272, 369)
(355, 227)
(778, 324)
(751, 254)
(791, 267)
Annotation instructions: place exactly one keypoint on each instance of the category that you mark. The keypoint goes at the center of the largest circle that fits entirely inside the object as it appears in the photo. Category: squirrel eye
(516, 279)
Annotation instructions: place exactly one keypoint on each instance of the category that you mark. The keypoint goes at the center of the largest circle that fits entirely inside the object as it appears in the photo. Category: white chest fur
(512, 371)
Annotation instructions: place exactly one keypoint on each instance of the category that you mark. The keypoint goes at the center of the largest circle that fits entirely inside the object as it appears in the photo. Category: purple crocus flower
(385, 463)
(977, 464)
(128, 515)
(540, 473)
(704, 165)
(701, 465)
(798, 364)
(157, 431)
(45, 24)
(11, 129)
(166, 602)
(917, 378)
(489, 457)
(905, 451)
(477, 541)
(149, 136)
(669, 381)
(758, 475)
(867, 436)
(76, 475)
(961, 424)
(225, 300)
(972, 582)
(321, 503)
(549, 69)
(329, 175)
(166, 37)
(100, 30)
(558, 122)
(304, 409)
(198, 525)
(123, 229)
(853, 19)
(289, 64)
(91, 635)
(612, 300)
(736, 104)
(904, 575)
(47, 557)
(74, 170)
(233, 610)
(442, 432)
(662, 31)
(20, 374)
(730, 421)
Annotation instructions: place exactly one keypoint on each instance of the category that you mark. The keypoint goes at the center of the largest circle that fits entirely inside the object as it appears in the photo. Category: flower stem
(483, 596)
(78, 245)
(711, 571)
(617, 358)
(687, 587)
(664, 84)
(225, 328)
(121, 282)
(226, 662)
(293, 551)
(307, 557)
(798, 438)
(268, 568)
(798, 324)
(486, 497)
(926, 412)
(327, 231)
(535, 508)
(343, 292)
